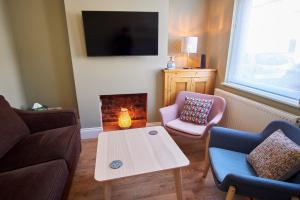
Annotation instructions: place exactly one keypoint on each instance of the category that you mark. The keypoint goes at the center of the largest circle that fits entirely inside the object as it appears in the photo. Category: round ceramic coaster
(116, 164)
(153, 132)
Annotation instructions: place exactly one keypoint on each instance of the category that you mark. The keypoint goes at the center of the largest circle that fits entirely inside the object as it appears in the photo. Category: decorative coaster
(116, 164)
(153, 132)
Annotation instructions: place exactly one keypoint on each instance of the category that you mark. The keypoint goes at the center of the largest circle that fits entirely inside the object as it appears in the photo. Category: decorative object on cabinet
(203, 61)
(171, 63)
(194, 80)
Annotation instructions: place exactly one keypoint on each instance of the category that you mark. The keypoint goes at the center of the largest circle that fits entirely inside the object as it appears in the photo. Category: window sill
(277, 98)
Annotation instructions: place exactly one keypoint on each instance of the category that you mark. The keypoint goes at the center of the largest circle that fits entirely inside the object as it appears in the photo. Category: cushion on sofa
(225, 162)
(12, 127)
(277, 157)
(196, 110)
(38, 182)
(61, 143)
(186, 127)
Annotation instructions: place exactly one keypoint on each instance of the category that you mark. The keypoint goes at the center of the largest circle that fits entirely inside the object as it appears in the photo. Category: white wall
(187, 18)
(10, 79)
(115, 75)
(40, 34)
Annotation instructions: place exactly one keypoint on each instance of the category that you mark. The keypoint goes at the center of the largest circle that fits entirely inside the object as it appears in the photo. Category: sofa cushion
(277, 157)
(44, 181)
(43, 146)
(196, 110)
(225, 162)
(186, 127)
(12, 127)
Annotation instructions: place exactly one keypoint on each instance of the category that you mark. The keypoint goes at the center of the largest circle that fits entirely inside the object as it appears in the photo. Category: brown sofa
(38, 153)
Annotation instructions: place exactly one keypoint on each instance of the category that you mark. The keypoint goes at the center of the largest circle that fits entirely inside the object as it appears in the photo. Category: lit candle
(124, 119)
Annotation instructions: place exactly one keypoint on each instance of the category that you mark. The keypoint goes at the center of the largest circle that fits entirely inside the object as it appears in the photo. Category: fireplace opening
(122, 111)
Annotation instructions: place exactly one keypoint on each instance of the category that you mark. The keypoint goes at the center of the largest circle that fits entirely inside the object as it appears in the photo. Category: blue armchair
(232, 173)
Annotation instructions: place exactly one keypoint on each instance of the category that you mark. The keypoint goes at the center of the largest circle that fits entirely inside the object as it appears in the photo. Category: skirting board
(89, 133)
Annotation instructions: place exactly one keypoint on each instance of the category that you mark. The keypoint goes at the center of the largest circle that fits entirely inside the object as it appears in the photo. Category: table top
(139, 152)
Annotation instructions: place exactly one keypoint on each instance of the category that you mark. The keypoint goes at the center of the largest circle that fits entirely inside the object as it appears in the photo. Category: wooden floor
(155, 186)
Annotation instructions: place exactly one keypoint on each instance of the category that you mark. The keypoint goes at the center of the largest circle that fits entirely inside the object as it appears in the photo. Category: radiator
(248, 115)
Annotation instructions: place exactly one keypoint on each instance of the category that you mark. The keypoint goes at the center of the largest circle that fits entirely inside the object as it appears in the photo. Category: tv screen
(115, 33)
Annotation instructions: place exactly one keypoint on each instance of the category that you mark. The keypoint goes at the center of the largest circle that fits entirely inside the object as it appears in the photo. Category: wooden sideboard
(195, 80)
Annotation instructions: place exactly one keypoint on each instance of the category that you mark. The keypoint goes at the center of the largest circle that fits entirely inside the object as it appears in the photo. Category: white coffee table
(140, 153)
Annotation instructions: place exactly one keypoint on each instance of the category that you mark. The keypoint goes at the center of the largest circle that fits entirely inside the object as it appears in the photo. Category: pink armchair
(172, 123)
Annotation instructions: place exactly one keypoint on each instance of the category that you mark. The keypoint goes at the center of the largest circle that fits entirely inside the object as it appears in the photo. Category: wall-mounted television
(119, 33)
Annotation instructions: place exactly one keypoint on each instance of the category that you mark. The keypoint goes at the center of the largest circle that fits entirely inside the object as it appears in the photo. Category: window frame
(244, 88)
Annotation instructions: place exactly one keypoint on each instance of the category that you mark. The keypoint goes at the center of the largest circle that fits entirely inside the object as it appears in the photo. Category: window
(264, 56)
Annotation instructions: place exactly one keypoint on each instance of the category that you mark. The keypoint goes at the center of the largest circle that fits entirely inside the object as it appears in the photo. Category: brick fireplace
(111, 108)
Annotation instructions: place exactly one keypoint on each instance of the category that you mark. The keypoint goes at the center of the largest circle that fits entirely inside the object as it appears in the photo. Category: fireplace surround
(111, 106)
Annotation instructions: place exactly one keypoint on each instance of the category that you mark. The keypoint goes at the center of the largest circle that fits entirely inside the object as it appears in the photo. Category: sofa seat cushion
(44, 181)
(43, 146)
(186, 127)
(225, 162)
(12, 127)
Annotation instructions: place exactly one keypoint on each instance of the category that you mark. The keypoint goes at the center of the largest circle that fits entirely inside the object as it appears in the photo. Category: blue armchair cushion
(225, 162)
(277, 157)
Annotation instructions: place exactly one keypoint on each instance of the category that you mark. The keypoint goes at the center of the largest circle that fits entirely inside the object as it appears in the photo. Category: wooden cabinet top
(188, 70)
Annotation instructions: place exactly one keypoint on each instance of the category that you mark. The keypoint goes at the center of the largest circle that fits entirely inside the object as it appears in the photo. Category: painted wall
(219, 27)
(10, 79)
(187, 18)
(40, 33)
(114, 75)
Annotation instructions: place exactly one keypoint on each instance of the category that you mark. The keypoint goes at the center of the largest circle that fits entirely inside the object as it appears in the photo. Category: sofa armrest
(45, 120)
(261, 187)
(168, 113)
(234, 140)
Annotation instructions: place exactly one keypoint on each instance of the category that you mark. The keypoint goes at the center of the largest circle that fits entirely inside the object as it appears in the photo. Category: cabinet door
(202, 85)
(179, 84)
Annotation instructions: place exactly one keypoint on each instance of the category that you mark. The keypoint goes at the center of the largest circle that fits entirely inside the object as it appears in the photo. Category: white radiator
(248, 115)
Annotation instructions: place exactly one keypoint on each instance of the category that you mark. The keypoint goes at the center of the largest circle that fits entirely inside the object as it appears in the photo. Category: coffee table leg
(178, 183)
(107, 190)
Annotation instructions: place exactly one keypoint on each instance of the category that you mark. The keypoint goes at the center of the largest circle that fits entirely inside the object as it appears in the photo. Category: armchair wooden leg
(230, 194)
(206, 159)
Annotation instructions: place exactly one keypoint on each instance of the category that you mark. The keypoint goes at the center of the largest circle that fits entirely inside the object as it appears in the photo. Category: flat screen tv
(118, 33)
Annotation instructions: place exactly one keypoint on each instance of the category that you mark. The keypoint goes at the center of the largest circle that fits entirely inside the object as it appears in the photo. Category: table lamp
(189, 45)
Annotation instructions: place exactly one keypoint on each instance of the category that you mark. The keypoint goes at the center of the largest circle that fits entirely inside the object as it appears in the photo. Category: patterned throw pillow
(277, 157)
(196, 110)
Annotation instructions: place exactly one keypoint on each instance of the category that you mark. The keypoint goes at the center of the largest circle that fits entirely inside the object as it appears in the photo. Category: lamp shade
(189, 44)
